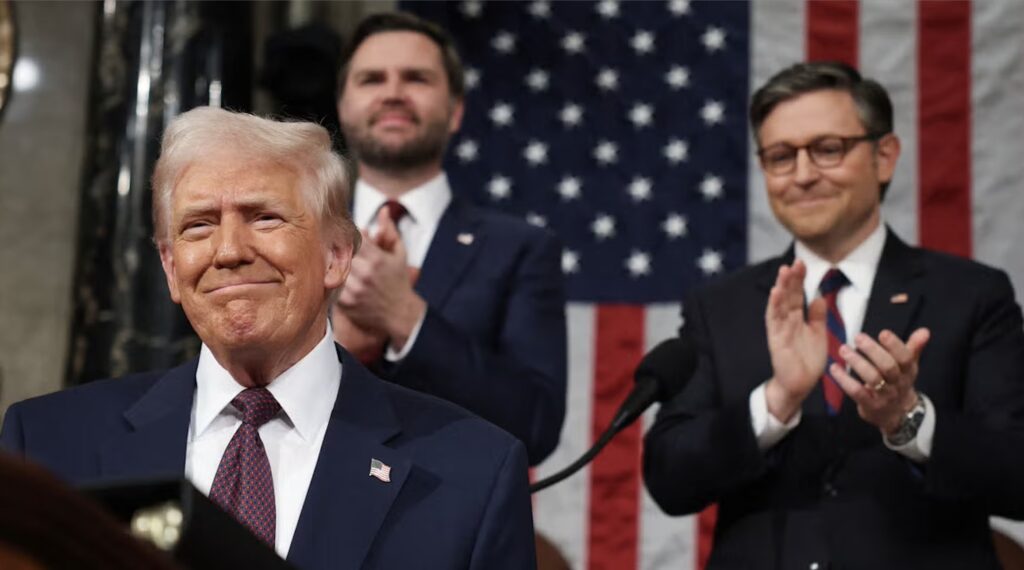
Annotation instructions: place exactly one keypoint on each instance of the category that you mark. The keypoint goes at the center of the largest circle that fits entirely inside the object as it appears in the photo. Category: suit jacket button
(830, 491)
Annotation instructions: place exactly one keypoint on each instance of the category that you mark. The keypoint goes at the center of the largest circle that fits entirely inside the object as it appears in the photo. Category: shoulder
(436, 423)
(739, 284)
(112, 395)
(506, 227)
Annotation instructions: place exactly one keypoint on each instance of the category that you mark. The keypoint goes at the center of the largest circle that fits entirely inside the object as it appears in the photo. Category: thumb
(387, 232)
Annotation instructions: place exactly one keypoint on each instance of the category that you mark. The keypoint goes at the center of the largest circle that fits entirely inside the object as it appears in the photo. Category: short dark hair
(406, 22)
(874, 108)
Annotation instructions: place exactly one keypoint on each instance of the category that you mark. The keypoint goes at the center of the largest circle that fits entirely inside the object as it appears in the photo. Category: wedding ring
(878, 387)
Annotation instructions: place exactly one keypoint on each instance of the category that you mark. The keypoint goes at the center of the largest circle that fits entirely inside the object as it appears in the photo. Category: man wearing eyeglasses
(858, 402)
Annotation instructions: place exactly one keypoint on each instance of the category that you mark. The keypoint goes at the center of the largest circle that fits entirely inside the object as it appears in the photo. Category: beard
(426, 148)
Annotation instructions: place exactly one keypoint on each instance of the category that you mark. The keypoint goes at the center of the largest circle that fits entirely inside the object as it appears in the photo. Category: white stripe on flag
(997, 81)
(777, 40)
(561, 511)
(667, 542)
(888, 54)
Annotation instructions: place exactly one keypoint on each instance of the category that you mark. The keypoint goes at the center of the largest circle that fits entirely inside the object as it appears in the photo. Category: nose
(394, 88)
(806, 172)
(233, 244)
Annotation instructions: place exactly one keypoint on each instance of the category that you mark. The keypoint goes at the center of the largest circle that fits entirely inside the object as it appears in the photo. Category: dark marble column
(154, 61)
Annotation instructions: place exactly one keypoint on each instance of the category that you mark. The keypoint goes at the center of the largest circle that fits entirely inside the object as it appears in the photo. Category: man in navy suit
(328, 464)
(444, 298)
(857, 402)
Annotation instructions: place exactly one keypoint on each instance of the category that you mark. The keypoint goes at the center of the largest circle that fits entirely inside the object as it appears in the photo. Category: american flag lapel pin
(465, 238)
(899, 298)
(380, 470)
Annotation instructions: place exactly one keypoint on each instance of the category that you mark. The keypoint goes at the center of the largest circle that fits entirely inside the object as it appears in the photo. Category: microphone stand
(576, 465)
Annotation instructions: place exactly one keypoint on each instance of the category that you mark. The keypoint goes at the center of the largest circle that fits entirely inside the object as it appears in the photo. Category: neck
(394, 183)
(837, 250)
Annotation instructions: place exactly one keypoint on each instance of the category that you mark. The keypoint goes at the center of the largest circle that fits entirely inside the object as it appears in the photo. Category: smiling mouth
(234, 287)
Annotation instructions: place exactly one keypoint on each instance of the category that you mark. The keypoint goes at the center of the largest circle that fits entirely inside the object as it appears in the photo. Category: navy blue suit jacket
(458, 494)
(493, 340)
(830, 492)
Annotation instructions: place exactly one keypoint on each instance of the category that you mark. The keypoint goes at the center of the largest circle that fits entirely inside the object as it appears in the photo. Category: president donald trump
(331, 466)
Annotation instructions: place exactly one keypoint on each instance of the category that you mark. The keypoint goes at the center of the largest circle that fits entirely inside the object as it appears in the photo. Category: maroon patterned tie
(395, 210)
(244, 486)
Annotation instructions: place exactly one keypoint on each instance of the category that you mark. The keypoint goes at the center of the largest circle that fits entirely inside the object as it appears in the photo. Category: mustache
(392, 108)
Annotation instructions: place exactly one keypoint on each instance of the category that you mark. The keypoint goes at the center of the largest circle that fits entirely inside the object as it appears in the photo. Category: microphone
(662, 374)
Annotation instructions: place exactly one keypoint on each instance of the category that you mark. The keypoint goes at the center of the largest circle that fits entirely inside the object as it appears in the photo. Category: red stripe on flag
(613, 539)
(833, 28)
(944, 131)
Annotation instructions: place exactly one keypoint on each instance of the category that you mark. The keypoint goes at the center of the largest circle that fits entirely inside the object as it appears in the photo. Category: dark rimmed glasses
(825, 152)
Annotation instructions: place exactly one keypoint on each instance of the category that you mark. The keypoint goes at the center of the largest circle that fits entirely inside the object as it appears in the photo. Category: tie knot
(395, 210)
(833, 281)
(257, 406)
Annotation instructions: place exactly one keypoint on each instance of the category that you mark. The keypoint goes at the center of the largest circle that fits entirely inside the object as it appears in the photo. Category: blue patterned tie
(244, 486)
(831, 283)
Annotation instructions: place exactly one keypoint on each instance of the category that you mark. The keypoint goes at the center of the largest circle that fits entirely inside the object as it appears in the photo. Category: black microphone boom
(662, 374)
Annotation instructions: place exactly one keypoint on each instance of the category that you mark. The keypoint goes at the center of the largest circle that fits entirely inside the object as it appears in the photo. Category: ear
(338, 261)
(458, 109)
(167, 261)
(887, 154)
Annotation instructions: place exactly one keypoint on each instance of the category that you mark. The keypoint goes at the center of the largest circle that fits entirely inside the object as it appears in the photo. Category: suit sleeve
(699, 449)
(977, 449)
(505, 539)
(515, 378)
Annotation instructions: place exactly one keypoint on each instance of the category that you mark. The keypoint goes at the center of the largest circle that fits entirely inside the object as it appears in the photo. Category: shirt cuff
(392, 355)
(919, 449)
(767, 428)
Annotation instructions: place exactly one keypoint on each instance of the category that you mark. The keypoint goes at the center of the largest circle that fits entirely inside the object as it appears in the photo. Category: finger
(879, 357)
(917, 341)
(854, 389)
(369, 245)
(387, 232)
(816, 311)
(865, 370)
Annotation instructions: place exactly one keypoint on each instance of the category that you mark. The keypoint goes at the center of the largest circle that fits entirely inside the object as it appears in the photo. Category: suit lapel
(155, 443)
(456, 241)
(897, 291)
(345, 506)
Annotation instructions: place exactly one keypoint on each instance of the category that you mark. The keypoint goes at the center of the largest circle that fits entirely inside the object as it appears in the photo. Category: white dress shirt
(292, 438)
(425, 205)
(859, 267)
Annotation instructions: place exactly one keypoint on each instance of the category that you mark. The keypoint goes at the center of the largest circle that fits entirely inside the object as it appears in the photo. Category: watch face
(6, 50)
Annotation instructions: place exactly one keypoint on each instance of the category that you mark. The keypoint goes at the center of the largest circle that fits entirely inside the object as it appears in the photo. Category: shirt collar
(859, 266)
(425, 203)
(305, 391)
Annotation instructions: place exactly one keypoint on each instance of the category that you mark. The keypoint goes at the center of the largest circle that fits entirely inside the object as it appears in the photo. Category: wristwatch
(909, 424)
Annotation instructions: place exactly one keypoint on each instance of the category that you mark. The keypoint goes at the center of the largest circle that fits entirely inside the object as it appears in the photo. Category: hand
(798, 346)
(366, 346)
(378, 295)
(888, 369)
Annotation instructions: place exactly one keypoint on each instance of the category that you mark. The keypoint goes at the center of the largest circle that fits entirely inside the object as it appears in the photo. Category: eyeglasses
(825, 152)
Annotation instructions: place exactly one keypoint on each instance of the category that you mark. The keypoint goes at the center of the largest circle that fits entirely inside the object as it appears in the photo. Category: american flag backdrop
(622, 126)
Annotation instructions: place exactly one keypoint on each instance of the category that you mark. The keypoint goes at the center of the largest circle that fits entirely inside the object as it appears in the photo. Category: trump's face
(248, 260)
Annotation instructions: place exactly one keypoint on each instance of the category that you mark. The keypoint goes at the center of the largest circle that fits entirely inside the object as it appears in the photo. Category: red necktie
(244, 486)
(831, 283)
(395, 210)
